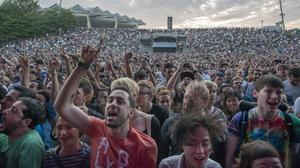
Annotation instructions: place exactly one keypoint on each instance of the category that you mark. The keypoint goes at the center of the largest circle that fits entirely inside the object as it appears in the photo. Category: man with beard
(114, 142)
(20, 145)
(265, 122)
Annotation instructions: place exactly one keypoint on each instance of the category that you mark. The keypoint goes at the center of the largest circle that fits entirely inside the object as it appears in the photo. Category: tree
(22, 19)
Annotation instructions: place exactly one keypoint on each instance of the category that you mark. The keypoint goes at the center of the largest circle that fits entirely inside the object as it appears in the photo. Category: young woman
(194, 134)
(71, 153)
(231, 104)
(259, 154)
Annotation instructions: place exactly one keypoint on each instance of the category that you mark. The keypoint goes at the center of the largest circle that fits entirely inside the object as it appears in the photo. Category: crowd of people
(95, 98)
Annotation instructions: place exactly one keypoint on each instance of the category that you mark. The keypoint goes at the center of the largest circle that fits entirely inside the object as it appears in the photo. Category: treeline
(24, 19)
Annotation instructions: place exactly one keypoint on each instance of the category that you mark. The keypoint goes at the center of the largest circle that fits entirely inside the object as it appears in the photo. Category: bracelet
(83, 65)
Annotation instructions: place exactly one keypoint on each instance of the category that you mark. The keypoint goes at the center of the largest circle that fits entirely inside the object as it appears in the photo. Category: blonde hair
(148, 84)
(127, 83)
(198, 89)
(209, 84)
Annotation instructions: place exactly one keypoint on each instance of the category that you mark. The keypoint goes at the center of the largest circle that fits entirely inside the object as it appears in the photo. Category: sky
(197, 13)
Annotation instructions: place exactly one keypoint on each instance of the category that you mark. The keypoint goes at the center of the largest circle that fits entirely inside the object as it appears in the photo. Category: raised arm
(64, 101)
(53, 67)
(67, 60)
(25, 64)
(128, 67)
(174, 78)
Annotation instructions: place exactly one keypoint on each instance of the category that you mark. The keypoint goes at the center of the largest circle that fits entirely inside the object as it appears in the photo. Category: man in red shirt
(114, 142)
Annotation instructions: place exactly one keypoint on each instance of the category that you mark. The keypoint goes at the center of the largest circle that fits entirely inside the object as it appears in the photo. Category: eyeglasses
(144, 93)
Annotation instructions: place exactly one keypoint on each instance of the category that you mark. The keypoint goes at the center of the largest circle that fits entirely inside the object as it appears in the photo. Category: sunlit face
(144, 97)
(165, 101)
(237, 85)
(169, 72)
(117, 110)
(232, 104)
(212, 94)
(80, 97)
(281, 72)
(266, 162)
(269, 98)
(197, 149)
(10, 98)
(12, 118)
(66, 134)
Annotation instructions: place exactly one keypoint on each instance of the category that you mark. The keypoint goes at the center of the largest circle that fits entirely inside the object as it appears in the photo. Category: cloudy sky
(197, 13)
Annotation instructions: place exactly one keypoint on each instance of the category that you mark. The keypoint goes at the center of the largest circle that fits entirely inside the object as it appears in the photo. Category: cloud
(197, 13)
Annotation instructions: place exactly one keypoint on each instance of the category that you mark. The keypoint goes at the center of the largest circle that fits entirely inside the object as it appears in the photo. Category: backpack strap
(148, 123)
(243, 126)
(289, 126)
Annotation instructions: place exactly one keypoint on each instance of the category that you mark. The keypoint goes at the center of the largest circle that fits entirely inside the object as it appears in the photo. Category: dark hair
(45, 93)
(295, 72)
(3, 92)
(188, 124)
(139, 75)
(169, 65)
(232, 94)
(255, 150)
(86, 86)
(35, 110)
(268, 80)
(222, 87)
(24, 92)
(40, 84)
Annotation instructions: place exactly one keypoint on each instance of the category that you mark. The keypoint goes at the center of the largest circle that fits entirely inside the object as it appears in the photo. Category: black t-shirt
(94, 113)
(160, 113)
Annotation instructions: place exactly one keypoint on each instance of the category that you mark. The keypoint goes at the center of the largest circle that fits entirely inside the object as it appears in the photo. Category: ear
(88, 97)
(255, 93)
(131, 112)
(26, 122)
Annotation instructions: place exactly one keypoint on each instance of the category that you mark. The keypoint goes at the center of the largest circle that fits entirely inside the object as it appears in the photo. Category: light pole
(282, 16)
(59, 12)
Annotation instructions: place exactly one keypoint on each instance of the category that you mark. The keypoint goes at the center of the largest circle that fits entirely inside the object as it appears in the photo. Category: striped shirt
(79, 159)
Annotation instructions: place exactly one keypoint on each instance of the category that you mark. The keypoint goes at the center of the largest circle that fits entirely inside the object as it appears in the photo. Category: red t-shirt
(136, 151)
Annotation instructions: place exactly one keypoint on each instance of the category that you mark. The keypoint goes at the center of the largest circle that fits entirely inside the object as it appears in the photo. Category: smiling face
(269, 98)
(117, 110)
(66, 134)
(197, 148)
(232, 104)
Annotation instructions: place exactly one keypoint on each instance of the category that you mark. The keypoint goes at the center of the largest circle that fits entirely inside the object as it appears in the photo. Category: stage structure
(164, 42)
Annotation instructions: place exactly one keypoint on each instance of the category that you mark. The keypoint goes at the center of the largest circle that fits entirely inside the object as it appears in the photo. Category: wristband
(83, 65)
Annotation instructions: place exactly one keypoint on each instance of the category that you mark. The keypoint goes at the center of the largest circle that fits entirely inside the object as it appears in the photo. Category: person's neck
(70, 149)
(267, 116)
(120, 132)
(19, 132)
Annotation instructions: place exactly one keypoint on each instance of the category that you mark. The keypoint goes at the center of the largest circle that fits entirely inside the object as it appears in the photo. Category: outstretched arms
(64, 101)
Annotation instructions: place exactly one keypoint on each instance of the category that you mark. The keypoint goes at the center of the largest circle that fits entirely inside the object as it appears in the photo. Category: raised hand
(64, 55)
(53, 65)
(24, 62)
(89, 54)
(128, 57)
